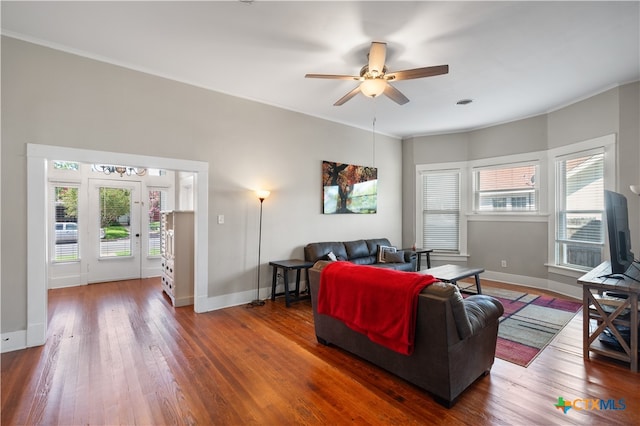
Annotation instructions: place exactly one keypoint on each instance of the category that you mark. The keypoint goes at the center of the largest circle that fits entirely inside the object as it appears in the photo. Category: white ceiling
(514, 59)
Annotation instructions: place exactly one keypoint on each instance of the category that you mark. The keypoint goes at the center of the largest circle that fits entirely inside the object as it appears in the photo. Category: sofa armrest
(471, 314)
(410, 256)
(481, 311)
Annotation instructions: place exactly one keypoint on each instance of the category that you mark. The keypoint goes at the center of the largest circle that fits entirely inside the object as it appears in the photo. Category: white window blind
(508, 188)
(580, 206)
(65, 223)
(441, 210)
(157, 203)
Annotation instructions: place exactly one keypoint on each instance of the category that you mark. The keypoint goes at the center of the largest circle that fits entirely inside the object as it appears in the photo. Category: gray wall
(524, 246)
(54, 98)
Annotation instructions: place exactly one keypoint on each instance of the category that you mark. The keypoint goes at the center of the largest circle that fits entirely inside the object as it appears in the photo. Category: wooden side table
(609, 314)
(286, 266)
(420, 252)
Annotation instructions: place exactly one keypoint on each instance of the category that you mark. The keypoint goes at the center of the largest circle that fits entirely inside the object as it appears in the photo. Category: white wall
(57, 99)
(615, 111)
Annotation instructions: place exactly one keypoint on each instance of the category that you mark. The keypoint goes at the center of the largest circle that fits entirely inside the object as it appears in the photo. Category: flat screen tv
(618, 231)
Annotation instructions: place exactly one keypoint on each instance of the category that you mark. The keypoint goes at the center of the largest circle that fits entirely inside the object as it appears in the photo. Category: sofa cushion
(356, 249)
(317, 251)
(374, 243)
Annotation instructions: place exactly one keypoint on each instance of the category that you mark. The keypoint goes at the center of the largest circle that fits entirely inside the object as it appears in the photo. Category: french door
(114, 232)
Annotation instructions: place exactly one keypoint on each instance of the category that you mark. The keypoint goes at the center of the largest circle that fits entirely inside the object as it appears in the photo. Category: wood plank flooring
(119, 353)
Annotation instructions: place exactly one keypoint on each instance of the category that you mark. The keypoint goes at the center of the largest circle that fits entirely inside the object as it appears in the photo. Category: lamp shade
(373, 87)
(262, 194)
(635, 189)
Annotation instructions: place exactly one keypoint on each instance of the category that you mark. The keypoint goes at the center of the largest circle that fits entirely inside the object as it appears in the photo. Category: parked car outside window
(66, 232)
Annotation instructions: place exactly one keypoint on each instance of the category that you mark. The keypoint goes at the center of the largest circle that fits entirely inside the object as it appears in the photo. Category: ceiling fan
(374, 78)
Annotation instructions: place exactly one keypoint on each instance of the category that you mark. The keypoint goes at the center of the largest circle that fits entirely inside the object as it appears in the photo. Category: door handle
(137, 235)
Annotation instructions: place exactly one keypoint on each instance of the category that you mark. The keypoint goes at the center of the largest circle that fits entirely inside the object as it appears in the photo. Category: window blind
(580, 201)
(441, 210)
(65, 223)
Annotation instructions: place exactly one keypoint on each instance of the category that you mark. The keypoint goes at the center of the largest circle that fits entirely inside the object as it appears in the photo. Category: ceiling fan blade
(377, 56)
(334, 77)
(417, 73)
(348, 96)
(395, 95)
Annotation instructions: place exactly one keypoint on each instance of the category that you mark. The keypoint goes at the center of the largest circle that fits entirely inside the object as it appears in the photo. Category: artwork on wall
(349, 189)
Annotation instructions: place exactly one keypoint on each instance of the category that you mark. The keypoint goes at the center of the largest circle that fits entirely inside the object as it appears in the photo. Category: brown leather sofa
(455, 339)
(360, 252)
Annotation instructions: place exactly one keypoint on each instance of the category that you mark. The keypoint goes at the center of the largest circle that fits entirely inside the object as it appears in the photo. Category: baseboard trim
(570, 290)
(14, 341)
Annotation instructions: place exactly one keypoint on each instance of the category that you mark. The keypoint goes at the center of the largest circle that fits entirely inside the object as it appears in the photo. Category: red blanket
(377, 302)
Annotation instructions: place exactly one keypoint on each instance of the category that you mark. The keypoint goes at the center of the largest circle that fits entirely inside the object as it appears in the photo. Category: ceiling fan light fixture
(373, 87)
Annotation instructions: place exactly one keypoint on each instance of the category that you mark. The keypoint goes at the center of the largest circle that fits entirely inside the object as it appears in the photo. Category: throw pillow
(329, 256)
(394, 257)
(382, 251)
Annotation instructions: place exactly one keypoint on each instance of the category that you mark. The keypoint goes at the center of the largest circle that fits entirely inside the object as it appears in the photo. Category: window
(115, 217)
(510, 188)
(579, 238)
(157, 203)
(66, 165)
(441, 210)
(65, 224)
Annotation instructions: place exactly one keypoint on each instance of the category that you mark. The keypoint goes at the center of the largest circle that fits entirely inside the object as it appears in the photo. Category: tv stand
(608, 314)
(632, 273)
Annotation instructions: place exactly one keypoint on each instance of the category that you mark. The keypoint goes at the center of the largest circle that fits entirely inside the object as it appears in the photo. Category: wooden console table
(608, 313)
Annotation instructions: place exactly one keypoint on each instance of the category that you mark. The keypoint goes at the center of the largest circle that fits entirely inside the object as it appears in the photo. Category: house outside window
(579, 241)
(506, 188)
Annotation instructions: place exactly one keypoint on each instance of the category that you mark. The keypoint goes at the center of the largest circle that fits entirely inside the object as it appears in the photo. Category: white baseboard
(240, 298)
(571, 290)
(14, 340)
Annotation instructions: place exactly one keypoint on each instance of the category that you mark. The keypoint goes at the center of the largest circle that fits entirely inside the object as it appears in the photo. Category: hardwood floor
(119, 353)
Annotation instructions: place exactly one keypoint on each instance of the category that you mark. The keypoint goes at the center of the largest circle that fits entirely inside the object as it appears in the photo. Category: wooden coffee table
(453, 273)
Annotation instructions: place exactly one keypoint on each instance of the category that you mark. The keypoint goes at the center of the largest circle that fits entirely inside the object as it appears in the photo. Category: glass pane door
(115, 221)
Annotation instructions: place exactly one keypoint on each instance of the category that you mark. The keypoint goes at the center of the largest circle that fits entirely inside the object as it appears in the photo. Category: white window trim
(462, 168)
(608, 143)
(540, 215)
(51, 220)
(474, 185)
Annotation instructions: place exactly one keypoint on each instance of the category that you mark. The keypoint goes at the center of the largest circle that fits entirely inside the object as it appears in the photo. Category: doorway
(37, 277)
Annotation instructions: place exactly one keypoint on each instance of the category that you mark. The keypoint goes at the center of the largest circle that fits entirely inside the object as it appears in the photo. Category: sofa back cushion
(317, 251)
(374, 243)
(356, 249)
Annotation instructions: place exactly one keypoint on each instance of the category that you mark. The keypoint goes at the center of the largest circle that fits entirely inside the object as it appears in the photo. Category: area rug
(529, 323)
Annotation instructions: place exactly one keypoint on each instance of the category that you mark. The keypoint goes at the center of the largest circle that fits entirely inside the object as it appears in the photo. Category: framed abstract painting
(348, 188)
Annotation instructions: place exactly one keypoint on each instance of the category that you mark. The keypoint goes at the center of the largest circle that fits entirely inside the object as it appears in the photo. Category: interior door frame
(37, 197)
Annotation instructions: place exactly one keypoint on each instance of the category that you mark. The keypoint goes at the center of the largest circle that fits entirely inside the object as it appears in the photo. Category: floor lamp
(262, 195)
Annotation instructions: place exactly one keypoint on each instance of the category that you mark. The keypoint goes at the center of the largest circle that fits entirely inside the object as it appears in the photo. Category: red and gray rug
(529, 323)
